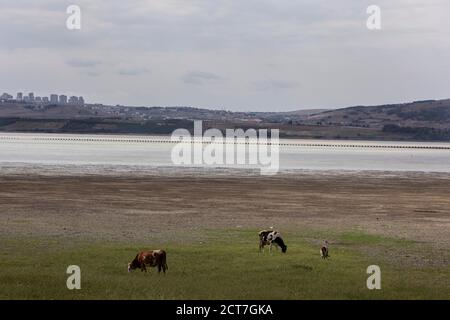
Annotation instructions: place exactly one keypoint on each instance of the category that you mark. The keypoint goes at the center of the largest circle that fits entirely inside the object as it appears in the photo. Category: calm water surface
(59, 149)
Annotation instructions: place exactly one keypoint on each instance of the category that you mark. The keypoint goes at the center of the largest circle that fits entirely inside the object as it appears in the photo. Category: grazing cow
(152, 258)
(271, 238)
(324, 250)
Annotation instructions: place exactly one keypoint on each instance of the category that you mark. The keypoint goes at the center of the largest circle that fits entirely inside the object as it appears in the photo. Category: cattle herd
(157, 258)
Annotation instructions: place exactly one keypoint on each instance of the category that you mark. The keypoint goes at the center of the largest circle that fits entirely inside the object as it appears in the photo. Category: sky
(239, 55)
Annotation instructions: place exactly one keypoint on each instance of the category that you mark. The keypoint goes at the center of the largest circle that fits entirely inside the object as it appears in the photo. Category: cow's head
(284, 249)
(134, 264)
(130, 267)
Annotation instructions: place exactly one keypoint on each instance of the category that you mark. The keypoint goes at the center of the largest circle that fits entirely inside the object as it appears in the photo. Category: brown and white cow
(152, 258)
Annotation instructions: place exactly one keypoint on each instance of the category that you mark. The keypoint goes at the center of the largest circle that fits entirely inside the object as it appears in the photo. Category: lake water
(62, 149)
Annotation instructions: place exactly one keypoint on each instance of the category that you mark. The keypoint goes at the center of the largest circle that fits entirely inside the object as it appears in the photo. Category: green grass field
(226, 265)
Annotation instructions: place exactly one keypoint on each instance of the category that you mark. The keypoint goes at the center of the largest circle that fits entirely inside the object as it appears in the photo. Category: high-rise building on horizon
(19, 96)
(62, 99)
(45, 99)
(73, 100)
(6, 96)
(31, 96)
(54, 98)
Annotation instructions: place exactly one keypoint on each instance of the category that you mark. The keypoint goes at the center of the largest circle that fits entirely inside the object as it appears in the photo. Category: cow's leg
(275, 245)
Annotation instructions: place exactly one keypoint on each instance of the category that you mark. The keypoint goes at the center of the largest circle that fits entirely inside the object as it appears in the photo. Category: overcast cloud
(261, 55)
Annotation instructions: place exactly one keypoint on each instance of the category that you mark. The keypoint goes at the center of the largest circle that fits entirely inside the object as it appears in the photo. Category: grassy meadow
(224, 264)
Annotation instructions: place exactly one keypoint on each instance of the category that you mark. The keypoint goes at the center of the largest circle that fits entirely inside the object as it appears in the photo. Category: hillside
(421, 120)
(429, 113)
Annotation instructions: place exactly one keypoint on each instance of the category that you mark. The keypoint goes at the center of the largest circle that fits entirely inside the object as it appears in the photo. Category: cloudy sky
(259, 55)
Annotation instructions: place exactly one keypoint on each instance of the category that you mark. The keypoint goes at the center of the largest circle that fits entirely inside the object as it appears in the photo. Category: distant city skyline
(265, 55)
(80, 100)
(50, 99)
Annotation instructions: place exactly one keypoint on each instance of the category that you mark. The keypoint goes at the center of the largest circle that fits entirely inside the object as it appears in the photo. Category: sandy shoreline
(25, 168)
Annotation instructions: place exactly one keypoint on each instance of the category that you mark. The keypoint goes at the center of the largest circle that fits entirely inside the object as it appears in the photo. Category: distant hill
(430, 113)
(420, 120)
(24, 110)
